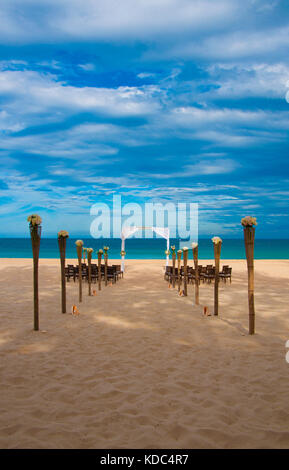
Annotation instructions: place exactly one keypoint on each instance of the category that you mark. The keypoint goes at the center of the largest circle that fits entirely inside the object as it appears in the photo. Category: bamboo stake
(249, 237)
(196, 264)
(62, 237)
(89, 256)
(185, 254)
(79, 245)
(35, 234)
(105, 256)
(174, 264)
(217, 253)
(179, 257)
(99, 268)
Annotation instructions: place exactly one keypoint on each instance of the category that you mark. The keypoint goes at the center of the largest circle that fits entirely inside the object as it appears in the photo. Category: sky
(153, 100)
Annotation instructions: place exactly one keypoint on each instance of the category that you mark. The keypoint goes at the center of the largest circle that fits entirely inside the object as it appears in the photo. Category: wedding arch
(129, 231)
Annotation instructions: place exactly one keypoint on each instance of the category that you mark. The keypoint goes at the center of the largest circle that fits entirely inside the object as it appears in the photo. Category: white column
(122, 258)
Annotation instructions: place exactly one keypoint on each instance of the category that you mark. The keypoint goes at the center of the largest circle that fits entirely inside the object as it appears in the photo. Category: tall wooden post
(79, 245)
(62, 237)
(174, 265)
(196, 264)
(179, 257)
(99, 268)
(185, 254)
(105, 256)
(249, 237)
(217, 253)
(35, 234)
(89, 256)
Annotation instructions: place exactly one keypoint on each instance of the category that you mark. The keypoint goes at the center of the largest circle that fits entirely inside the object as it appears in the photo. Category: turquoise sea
(144, 248)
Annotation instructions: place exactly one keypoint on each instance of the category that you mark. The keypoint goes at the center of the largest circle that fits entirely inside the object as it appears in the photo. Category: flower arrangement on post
(173, 248)
(217, 241)
(99, 254)
(105, 256)
(249, 238)
(89, 256)
(62, 237)
(122, 254)
(185, 254)
(196, 264)
(179, 258)
(35, 234)
(79, 245)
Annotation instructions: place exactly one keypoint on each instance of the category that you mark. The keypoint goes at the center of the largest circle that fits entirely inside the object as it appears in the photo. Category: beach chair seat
(209, 275)
(226, 273)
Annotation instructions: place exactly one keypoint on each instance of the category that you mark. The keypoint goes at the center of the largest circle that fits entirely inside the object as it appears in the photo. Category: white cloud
(38, 92)
(249, 80)
(55, 20)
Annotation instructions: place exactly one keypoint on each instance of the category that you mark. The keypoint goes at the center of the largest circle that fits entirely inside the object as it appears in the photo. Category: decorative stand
(89, 256)
(79, 245)
(105, 256)
(99, 268)
(217, 253)
(196, 264)
(249, 237)
(185, 254)
(62, 237)
(179, 257)
(174, 265)
(35, 234)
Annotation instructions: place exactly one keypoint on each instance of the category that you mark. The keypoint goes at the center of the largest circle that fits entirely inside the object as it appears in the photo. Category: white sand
(142, 367)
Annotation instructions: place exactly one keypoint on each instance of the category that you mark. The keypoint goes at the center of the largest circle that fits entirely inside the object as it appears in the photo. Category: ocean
(137, 248)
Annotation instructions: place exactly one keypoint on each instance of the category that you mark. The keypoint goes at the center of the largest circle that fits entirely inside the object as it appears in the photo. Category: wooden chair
(209, 275)
(226, 273)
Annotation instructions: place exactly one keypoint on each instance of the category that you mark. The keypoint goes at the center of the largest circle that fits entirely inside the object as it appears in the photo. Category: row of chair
(205, 273)
(113, 272)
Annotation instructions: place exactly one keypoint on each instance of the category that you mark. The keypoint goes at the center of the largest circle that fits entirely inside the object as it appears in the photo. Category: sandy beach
(141, 367)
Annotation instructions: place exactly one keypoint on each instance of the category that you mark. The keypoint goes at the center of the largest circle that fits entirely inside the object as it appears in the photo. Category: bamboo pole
(196, 264)
(217, 254)
(105, 256)
(179, 257)
(89, 256)
(185, 255)
(35, 234)
(174, 264)
(99, 268)
(249, 238)
(62, 237)
(84, 251)
(79, 245)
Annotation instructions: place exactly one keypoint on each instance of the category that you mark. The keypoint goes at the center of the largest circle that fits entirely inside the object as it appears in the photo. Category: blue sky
(155, 100)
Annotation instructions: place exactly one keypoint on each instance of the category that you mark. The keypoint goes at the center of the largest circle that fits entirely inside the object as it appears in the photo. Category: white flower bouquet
(216, 240)
(34, 219)
(63, 234)
(249, 221)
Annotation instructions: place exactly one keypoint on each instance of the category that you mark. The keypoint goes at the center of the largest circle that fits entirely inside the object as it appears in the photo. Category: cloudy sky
(153, 100)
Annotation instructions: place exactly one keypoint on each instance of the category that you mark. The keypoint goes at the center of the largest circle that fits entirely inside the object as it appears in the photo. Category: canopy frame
(128, 231)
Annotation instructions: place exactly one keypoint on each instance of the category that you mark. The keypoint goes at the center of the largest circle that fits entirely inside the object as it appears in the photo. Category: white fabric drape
(128, 231)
